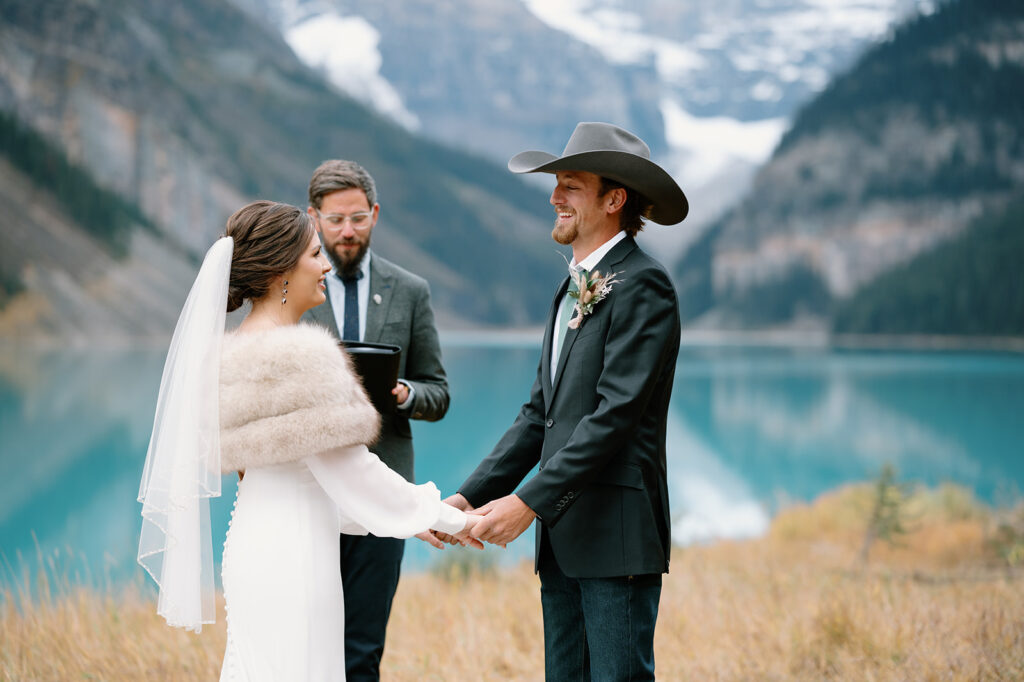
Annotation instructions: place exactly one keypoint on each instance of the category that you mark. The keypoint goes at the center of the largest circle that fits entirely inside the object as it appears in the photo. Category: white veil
(183, 463)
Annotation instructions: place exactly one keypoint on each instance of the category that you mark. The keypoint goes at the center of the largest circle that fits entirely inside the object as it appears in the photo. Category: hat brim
(669, 204)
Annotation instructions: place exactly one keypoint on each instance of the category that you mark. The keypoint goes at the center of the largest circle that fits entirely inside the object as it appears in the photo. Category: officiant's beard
(346, 264)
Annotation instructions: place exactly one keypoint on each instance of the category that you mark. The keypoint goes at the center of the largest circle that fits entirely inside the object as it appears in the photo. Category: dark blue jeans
(597, 629)
(369, 573)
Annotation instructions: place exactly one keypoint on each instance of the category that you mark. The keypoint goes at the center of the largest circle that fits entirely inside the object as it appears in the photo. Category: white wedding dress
(284, 405)
(281, 572)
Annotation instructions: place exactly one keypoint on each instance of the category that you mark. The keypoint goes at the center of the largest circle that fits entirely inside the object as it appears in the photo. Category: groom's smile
(577, 204)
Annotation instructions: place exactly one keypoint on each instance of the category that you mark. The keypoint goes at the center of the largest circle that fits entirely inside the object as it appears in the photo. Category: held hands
(437, 537)
(463, 537)
(503, 520)
(498, 522)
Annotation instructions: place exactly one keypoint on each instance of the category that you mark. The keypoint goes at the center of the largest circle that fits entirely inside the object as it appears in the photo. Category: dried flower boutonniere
(591, 288)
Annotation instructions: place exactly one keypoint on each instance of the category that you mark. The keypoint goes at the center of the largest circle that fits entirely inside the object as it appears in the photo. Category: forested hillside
(908, 150)
(971, 285)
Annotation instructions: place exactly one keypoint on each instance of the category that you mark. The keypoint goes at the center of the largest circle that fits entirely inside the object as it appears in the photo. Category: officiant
(370, 299)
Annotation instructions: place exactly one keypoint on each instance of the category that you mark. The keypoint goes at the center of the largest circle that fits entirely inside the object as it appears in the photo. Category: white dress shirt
(588, 264)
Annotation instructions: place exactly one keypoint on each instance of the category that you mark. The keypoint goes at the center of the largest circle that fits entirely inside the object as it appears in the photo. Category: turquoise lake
(750, 430)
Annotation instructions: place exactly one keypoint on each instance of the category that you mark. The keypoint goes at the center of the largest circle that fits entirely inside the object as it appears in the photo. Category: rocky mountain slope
(77, 262)
(187, 110)
(923, 137)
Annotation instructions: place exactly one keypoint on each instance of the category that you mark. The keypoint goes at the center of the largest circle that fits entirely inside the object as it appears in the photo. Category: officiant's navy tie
(351, 331)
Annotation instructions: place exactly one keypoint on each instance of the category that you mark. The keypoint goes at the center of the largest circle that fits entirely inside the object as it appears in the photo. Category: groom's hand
(505, 519)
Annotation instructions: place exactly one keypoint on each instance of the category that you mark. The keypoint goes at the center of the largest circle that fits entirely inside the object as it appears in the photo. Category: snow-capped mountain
(709, 85)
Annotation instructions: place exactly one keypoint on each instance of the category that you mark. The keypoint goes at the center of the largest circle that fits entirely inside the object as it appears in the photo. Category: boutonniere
(591, 288)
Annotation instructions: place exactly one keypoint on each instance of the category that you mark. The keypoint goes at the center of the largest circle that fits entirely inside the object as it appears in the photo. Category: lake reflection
(749, 430)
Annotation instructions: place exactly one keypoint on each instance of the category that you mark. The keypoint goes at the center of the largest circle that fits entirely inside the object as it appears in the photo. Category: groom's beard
(565, 234)
(346, 264)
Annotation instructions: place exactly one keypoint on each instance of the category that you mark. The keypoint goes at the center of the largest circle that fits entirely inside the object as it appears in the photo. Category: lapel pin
(376, 299)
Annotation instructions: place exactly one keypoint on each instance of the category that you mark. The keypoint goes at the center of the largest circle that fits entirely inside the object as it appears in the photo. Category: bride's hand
(459, 502)
(463, 536)
(428, 537)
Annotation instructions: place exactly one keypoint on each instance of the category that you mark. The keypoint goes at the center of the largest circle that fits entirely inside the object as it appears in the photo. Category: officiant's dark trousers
(597, 629)
(369, 573)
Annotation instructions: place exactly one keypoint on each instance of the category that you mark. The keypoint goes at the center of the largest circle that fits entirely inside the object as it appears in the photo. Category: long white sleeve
(376, 498)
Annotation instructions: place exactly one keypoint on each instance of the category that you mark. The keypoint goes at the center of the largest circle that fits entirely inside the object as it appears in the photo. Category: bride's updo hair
(269, 240)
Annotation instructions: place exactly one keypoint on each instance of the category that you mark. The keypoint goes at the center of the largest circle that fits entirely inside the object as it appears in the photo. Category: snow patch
(346, 50)
(617, 34)
(703, 147)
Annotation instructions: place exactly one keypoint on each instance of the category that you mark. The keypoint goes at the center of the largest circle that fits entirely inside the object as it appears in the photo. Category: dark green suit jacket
(597, 428)
(403, 318)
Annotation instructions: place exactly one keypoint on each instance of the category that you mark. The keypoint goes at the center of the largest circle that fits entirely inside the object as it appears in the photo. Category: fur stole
(288, 393)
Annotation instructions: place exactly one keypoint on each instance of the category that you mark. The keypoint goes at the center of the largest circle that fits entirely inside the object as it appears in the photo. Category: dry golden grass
(795, 605)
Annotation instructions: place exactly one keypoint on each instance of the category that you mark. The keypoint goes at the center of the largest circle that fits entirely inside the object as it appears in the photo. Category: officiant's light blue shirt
(588, 264)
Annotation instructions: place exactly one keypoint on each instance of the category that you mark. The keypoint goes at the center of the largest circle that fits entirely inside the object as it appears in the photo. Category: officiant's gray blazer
(404, 318)
(597, 428)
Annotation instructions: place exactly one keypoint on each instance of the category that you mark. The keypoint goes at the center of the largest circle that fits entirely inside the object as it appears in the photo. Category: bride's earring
(284, 293)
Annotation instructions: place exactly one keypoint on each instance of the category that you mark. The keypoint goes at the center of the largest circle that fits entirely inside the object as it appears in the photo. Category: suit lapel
(382, 289)
(545, 355)
(616, 255)
(606, 264)
(570, 338)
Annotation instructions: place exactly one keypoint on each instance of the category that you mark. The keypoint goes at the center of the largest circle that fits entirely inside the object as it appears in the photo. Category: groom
(372, 299)
(595, 420)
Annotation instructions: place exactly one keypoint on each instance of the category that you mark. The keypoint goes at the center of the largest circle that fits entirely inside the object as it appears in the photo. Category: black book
(377, 366)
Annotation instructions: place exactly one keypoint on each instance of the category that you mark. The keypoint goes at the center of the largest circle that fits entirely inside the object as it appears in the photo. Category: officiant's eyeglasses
(359, 221)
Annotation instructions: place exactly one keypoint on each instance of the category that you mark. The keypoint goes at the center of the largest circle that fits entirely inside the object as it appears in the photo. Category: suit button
(551, 422)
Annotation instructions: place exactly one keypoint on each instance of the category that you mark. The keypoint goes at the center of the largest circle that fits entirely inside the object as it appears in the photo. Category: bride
(276, 401)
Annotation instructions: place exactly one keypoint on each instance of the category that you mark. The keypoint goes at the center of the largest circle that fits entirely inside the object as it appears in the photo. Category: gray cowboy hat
(617, 154)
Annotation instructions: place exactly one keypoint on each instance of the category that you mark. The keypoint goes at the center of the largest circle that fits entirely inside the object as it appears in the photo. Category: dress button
(551, 422)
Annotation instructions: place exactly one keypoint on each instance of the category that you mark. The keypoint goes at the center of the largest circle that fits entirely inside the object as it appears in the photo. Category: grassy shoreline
(945, 603)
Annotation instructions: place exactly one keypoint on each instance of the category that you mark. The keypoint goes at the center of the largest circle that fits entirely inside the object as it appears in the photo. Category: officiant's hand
(401, 393)
(504, 520)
